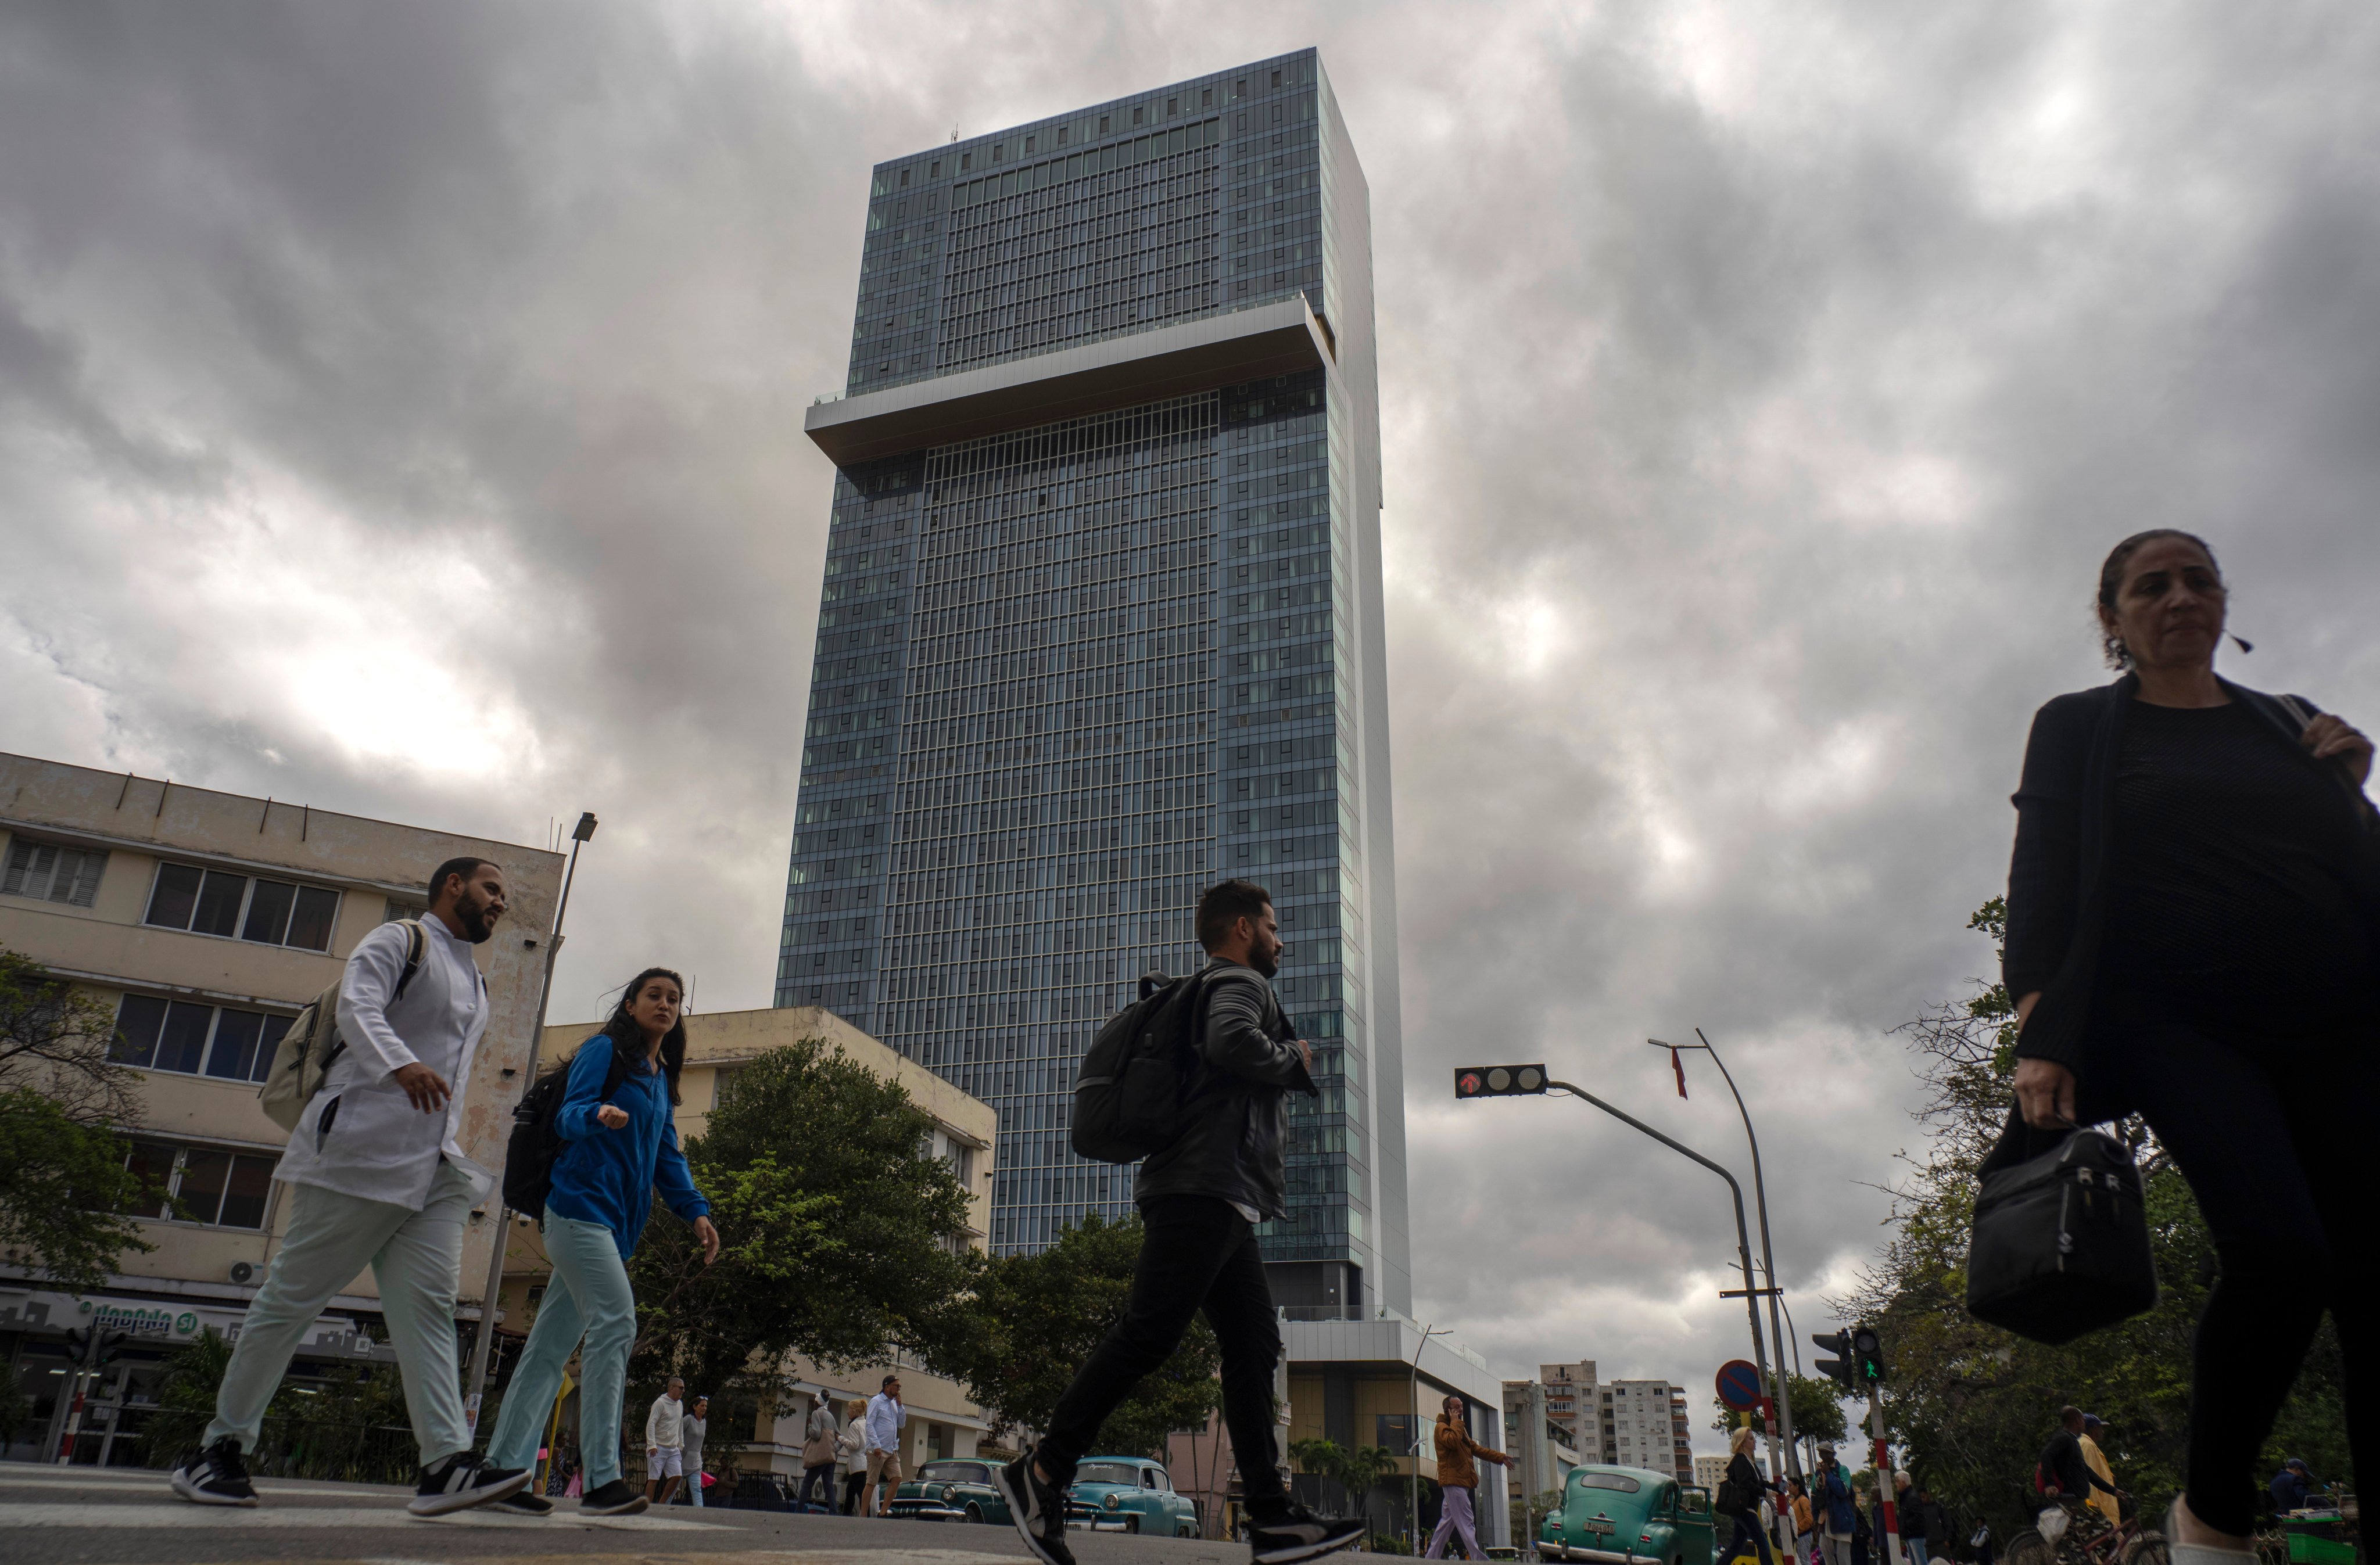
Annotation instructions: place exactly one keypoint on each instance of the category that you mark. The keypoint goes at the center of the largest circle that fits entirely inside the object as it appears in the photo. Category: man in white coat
(377, 1178)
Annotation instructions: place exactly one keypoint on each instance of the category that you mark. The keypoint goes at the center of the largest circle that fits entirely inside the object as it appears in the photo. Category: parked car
(1628, 1516)
(1128, 1494)
(955, 1490)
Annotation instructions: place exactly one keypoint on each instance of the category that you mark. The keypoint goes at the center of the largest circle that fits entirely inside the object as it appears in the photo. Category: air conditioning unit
(243, 1271)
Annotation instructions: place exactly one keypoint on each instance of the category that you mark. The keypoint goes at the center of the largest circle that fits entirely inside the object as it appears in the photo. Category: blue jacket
(1842, 1516)
(609, 1176)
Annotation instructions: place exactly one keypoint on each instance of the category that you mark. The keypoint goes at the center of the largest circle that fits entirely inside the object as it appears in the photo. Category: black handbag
(2060, 1244)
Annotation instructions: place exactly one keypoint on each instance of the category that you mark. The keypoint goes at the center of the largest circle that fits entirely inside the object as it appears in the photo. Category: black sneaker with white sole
(462, 1481)
(523, 1504)
(1038, 1509)
(1298, 1533)
(216, 1475)
(615, 1499)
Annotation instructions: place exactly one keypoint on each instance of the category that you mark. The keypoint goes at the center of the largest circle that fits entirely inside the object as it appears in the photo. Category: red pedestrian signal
(1498, 1081)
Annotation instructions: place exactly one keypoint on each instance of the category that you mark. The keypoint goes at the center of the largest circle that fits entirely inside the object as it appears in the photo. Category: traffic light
(110, 1342)
(1497, 1081)
(1868, 1350)
(1837, 1369)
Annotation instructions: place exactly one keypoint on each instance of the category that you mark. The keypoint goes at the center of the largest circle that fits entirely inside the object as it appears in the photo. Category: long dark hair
(628, 1037)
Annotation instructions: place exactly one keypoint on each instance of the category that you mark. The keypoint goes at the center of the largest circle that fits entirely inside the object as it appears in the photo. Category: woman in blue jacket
(618, 1149)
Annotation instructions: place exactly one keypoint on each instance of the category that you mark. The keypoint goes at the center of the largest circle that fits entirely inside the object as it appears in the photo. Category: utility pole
(482, 1338)
(1780, 1423)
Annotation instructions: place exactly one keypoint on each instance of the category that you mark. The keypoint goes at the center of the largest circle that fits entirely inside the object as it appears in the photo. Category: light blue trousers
(415, 1258)
(588, 1296)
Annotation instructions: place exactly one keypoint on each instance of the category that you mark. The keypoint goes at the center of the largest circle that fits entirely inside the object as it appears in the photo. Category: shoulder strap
(619, 1070)
(416, 943)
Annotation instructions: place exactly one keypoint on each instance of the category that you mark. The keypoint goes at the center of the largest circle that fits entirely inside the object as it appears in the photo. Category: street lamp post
(1784, 1420)
(1412, 1516)
(482, 1339)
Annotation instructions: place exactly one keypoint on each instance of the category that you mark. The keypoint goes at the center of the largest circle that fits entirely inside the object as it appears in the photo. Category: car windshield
(1619, 1481)
(1106, 1472)
(955, 1472)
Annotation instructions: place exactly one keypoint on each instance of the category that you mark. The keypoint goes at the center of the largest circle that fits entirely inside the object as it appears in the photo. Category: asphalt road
(94, 1516)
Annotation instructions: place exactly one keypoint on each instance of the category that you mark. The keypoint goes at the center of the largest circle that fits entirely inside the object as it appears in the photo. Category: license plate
(1603, 1525)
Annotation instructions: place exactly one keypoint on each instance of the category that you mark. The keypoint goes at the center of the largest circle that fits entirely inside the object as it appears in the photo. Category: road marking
(230, 1518)
(154, 1484)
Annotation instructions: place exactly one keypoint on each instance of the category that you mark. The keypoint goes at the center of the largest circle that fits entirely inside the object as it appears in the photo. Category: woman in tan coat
(1458, 1481)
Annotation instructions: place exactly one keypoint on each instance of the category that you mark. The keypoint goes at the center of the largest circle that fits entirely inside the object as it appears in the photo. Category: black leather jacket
(1235, 1127)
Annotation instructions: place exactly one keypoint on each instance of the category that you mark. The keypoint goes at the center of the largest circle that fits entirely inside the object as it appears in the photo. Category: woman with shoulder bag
(2192, 917)
(1739, 1496)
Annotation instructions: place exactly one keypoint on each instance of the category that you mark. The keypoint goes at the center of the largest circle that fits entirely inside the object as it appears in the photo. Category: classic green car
(950, 1491)
(1628, 1516)
(1128, 1494)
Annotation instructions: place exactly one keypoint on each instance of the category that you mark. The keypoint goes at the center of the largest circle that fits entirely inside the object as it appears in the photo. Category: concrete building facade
(205, 921)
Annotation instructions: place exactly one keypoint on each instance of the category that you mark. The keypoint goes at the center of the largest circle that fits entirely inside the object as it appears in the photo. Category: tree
(1035, 1319)
(1973, 1404)
(837, 1231)
(64, 1185)
(1817, 1409)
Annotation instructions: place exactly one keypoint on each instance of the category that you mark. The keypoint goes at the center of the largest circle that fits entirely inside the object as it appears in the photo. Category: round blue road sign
(1739, 1385)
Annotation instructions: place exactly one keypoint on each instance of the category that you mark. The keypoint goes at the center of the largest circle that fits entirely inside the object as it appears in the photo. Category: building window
(51, 873)
(1103, 125)
(215, 901)
(196, 1040)
(202, 1184)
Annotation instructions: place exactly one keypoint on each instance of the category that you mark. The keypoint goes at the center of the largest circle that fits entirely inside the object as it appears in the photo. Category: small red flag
(1679, 1066)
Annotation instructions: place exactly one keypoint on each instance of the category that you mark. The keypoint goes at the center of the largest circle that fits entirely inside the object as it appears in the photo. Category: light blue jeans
(588, 1297)
(415, 1258)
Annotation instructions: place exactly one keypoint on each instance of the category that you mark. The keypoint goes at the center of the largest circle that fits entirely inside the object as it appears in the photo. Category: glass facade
(1072, 671)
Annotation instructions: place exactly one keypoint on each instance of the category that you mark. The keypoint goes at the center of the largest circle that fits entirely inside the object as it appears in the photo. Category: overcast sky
(400, 411)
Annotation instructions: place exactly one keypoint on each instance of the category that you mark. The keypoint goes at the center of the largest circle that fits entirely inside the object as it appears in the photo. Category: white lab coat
(360, 1134)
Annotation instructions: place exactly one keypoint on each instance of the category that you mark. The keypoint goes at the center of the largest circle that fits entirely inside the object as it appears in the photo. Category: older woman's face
(2169, 606)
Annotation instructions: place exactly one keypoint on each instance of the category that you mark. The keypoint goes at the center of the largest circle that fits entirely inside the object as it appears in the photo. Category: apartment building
(1708, 1471)
(206, 920)
(942, 1422)
(1570, 1403)
(1645, 1424)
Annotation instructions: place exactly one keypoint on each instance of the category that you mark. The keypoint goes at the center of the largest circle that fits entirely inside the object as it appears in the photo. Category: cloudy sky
(400, 411)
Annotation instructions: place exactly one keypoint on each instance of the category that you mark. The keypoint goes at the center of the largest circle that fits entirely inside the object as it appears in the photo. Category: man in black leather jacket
(1200, 1200)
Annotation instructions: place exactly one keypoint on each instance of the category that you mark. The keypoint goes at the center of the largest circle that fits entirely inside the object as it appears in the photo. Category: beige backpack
(313, 1041)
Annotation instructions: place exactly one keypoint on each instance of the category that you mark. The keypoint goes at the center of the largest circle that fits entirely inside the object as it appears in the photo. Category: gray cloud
(399, 408)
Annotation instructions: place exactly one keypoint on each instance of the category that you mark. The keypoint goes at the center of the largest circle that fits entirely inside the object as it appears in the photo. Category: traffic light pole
(1886, 1509)
(85, 1374)
(1742, 1234)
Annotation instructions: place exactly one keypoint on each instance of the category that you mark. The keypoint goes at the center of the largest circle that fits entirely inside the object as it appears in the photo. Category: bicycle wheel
(2272, 1548)
(2029, 1548)
(2146, 1547)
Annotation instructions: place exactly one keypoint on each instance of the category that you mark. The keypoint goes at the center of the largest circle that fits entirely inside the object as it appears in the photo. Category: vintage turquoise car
(950, 1491)
(1128, 1494)
(1628, 1516)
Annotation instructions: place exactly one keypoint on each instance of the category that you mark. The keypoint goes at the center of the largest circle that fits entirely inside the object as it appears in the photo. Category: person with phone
(2193, 914)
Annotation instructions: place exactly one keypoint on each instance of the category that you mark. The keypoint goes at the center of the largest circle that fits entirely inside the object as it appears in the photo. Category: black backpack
(1133, 1082)
(535, 1140)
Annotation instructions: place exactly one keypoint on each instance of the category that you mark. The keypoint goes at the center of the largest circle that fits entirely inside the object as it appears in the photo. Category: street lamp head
(585, 830)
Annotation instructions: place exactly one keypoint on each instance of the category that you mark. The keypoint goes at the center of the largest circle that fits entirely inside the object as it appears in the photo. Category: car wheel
(1132, 1523)
(975, 1512)
(1186, 1531)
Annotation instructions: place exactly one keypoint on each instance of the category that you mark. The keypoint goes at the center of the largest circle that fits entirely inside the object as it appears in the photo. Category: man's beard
(478, 924)
(1268, 963)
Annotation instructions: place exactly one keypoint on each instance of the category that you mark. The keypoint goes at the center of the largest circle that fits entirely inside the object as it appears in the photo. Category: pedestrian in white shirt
(378, 1178)
(883, 1442)
(665, 1443)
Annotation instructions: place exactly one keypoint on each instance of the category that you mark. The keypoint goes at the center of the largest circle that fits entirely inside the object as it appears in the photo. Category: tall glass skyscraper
(1101, 625)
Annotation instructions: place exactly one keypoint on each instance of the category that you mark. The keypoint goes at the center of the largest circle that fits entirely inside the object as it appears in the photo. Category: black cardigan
(2057, 878)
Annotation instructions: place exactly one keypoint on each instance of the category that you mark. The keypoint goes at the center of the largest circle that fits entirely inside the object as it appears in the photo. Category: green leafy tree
(837, 1232)
(1973, 1404)
(64, 1185)
(1033, 1319)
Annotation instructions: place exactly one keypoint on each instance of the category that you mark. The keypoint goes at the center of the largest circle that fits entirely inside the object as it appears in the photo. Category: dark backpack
(1131, 1085)
(536, 1139)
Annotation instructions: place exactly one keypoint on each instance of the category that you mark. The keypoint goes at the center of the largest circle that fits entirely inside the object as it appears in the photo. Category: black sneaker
(523, 1504)
(615, 1499)
(1038, 1509)
(215, 1476)
(462, 1481)
(1298, 1533)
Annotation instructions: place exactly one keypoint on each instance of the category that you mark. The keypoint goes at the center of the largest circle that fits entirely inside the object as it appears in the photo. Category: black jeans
(2273, 1137)
(821, 1478)
(1198, 1254)
(1747, 1530)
